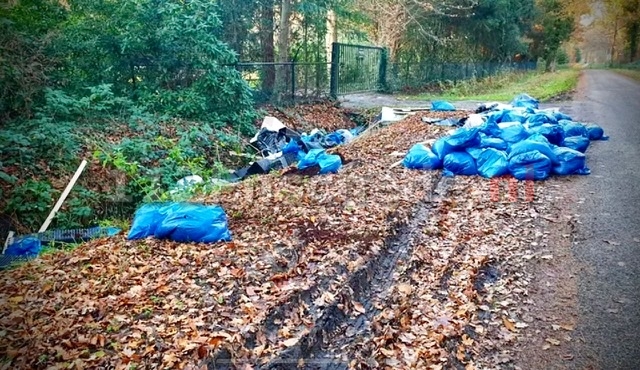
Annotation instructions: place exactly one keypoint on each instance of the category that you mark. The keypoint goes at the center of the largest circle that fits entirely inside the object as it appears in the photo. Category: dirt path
(592, 284)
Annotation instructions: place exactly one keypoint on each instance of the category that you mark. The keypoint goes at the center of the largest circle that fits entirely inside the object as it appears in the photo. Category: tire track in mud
(350, 316)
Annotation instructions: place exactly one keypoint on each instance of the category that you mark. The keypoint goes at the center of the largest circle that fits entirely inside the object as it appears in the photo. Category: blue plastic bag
(492, 163)
(530, 166)
(595, 132)
(539, 138)
(490, 129)
(421, 158)
(328, 163)
(513, 116)
(570, 162)
(441, 106)
(189, 222)
(561, 116)
(579, 143)
(460, 163)
(573, 128)
(530, 146)
(553, 133)
(24, 247)
(474, 152)
(463, 138)
(493, 142)
(146, 220)
(441, 148)
(291, 147)
(512, 132)
(540, 119)
(525, 101)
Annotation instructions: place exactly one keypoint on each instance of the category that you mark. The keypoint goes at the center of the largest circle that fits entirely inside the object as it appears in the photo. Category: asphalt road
(608, 235)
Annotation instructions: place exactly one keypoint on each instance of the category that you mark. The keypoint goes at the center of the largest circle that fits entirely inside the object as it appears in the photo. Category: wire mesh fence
(356, 69)
(287, 82)
(417, 76)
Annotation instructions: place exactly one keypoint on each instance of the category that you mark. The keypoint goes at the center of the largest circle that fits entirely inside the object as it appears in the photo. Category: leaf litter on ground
(152, 303)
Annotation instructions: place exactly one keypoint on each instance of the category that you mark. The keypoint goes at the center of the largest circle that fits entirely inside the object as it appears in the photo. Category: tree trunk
(613, 43)
(268, 51)
(283, 71)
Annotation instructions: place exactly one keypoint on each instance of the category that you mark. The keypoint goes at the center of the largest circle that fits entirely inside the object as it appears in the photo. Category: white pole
(66, 192)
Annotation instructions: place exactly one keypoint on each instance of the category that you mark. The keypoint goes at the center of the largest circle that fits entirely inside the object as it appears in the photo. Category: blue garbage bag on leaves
(327, 162)
(441, 148)
(595, 132)
(540, 119)
(190, 222)
(493, 142)
(525, 101)
(530, 166)
(579, 143)
(26, 247)
(528, 145)
(146, 220)
(421, 158)
(463, 138)
(474, 152)
(570, 162)
(440, 105)
(553, 133)
(571, 128)
(492, 163)
(460, 163)
(512, 132)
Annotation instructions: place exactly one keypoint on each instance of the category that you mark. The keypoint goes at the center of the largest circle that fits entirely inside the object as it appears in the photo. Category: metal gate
(357, 68)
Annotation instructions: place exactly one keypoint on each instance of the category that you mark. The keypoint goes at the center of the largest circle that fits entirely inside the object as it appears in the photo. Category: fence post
(382, 72)
(293, 82)
(335, 65)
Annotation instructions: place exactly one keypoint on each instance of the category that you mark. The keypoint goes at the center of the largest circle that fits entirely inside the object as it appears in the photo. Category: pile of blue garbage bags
(281, 147)
(518, 139)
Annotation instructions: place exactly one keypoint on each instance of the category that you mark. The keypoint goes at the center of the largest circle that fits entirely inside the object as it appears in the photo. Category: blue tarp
(181, 222)
(24, 247)
(440, 106)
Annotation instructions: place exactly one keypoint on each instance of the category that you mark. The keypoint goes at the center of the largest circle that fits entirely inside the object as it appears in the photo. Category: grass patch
(633, 73)
(542, 86)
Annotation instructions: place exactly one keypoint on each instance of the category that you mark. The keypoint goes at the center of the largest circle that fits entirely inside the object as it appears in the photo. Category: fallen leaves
(297, 240)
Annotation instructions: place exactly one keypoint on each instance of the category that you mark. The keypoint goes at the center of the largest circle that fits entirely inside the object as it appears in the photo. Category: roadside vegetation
(504, 87)
(633, 73)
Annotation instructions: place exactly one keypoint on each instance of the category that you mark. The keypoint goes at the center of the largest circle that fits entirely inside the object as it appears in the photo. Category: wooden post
(64, 195)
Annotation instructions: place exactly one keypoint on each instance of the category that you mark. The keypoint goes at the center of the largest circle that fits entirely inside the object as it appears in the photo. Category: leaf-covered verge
(423, 281)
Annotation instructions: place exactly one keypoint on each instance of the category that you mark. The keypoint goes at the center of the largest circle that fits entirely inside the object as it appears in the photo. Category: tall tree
(553, 27)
